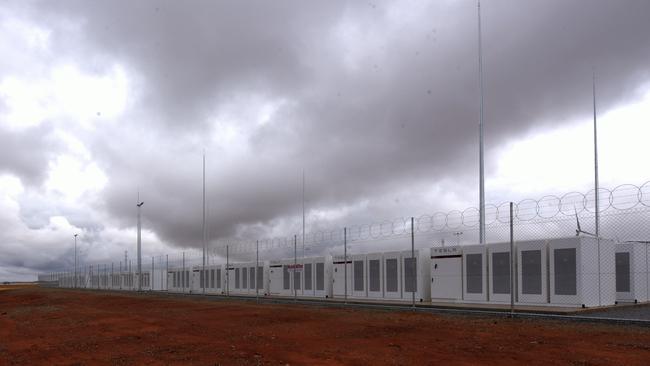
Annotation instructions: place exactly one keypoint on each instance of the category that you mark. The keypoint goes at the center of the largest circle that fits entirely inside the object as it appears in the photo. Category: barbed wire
(623, 199)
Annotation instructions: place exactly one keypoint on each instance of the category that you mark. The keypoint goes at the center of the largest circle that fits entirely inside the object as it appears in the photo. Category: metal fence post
(167, 272)
(183, 273)
(257, 267)
(415, 273)
(512, 262)
(345, 263)
(295, 266)
(227, 271)
(152, 281)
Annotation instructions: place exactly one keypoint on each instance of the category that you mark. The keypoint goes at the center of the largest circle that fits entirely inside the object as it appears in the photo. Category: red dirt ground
(65, 327)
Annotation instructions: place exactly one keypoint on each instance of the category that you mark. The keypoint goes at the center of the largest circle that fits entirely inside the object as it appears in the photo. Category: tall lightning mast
(481, 188)
(596, 187)
(203, 226)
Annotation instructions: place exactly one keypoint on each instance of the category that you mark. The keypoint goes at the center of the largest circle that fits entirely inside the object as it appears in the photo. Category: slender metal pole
(345, 262)
(139, 274)
(596, 188)
(152, 284)
(167, 272)
(481, 157)
(227, 272)
(203, 227)
(257, 268)
(414, 281)
(183, 273)
(75, 260)
(295, 266)
(303, 213)
(112, 276)
(647, 273)
(512, 262)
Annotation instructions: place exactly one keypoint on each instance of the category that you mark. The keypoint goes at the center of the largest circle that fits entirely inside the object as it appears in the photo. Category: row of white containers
(575, 271)
(106, 280)
(391, 275)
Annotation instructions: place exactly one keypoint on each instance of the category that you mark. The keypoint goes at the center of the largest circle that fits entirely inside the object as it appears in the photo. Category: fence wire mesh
(557, 261)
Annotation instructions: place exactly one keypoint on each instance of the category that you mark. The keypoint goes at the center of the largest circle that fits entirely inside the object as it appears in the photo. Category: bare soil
(44, 326)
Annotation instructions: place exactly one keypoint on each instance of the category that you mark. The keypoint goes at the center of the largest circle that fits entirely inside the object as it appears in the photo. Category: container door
(251, 280)
(197, 281)
(259, 282)
(623, 277)
(297, 279)
(244, 280)
(375, 288)
(500, 276)
(230, 280)
(532, 276)
(475, 283)
(564, 275)
(447, 278)
(359, 277)
(320, 280)
(275, 279)
(410, 277)
(392, 278)
(339, 278)
(308, 276)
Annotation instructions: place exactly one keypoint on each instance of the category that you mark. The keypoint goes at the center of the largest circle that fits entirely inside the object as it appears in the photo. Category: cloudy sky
(377, 102)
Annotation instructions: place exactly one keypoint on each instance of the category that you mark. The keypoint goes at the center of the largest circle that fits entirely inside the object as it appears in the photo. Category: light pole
(139, 204)
(75, 260)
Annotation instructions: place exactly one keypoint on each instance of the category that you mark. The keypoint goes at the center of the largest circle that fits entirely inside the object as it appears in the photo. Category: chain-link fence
(539, 255)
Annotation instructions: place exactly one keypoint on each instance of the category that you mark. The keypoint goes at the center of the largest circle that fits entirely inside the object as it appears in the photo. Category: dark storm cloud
(378, 97)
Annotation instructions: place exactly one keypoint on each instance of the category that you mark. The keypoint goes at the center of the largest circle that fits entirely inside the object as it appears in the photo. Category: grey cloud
(405, 116)
(25, 152)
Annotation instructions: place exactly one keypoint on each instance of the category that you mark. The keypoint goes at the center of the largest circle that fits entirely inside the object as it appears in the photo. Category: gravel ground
(637, 312)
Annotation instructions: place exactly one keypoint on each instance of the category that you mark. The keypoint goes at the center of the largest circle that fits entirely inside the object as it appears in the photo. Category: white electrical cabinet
(374, 274)
(499, 273)
(115, 281)
(158, 280)
(282, 277)
(632, 272)
(210, 277)
(582, 271)
(416, 275)
(446, 274)
(258, 275)
(142, 281)
(532, 272)
(242, 279)
(474, 273)
(178, 280)
(316, 277)
(349, 275)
